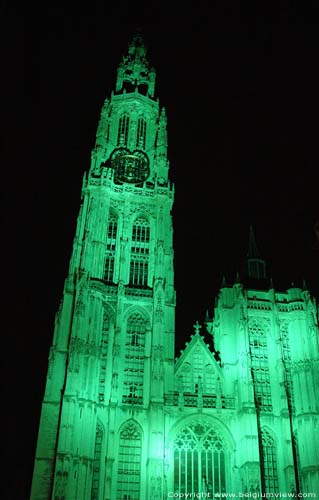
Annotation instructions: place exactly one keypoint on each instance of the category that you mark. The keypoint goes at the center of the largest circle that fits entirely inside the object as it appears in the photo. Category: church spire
(256, 267)
(134, 71)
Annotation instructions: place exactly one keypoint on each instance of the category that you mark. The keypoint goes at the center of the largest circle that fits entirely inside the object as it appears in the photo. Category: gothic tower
(121, 419)
(114, 332)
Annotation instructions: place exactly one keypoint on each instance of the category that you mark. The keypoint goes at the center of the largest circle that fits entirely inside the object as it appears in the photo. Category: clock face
(130, 166)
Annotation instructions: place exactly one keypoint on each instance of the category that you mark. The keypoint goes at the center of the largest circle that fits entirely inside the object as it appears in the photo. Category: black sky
(240, 86)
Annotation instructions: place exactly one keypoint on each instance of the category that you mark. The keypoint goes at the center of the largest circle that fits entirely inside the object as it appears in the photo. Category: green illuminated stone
(121, 418)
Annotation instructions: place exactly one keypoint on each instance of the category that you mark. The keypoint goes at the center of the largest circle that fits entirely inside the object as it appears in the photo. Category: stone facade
(121, 417)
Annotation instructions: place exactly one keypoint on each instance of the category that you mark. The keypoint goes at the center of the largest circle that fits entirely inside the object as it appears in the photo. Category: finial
(197, 327)
(237, 279)
(224, 284)
(304, 284)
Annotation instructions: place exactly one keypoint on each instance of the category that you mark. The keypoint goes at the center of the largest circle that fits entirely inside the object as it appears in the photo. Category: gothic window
(286, 354)
(199, 461)
(270, 463)
(104, 345)
(97, 463)
(195, 373)
(259, 365)
(134, 360)
(209, 380)
(187, 377)
(141, 133)
(110, 248)
(122, 136)
(140, 252)
(129, 464)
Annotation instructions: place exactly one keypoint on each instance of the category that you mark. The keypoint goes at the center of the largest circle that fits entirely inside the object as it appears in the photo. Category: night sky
(240, 87)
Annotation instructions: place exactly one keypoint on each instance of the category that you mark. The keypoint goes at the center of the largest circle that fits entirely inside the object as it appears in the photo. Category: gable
(197, 369)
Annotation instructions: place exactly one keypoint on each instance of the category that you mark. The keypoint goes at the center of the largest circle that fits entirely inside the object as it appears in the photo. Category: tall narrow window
(259, 365)
(199, 461)
(129, 464)
(270, 463)
(140, 252)
(122, 136)
(286, 352)
(110, 248)
(104, 345)
(97, 463)
(141, 133)
(134, 360)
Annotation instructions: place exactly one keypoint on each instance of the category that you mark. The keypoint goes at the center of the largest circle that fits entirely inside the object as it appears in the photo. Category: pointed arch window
(122, 137)
(270, 463)
(286, 354)
(97, 463)
(103, 360)
(259, 365)
(140, 248)
(129, 463)
(141, 133)
(199, 461)
(110, 248)
(134, 360)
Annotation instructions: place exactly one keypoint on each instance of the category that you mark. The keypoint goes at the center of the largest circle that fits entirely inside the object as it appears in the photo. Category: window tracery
(270, 463)
(129, 463)
(104, 346)
(110, 248)
(198, 370)
(97, 463)
(286, 354)
(199, 460)
(141, 133)
(259, 365)
(134, 359)
(122, 137)
(140, 247)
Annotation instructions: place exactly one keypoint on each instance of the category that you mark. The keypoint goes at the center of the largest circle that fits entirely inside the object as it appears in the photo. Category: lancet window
(193, 375)
(141, 133)
(286, 354)
(97, 463)
(270, 463)
(129, 463)
(103, 360)
(199, 461)
(110, 248)
(122, 136)
(259, 365)
(134, 359)
(140, 247)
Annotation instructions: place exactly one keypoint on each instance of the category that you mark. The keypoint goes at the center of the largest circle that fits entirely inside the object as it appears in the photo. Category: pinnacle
(252, 245)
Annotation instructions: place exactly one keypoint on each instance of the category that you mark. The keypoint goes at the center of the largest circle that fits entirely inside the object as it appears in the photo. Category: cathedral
(122, 418)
